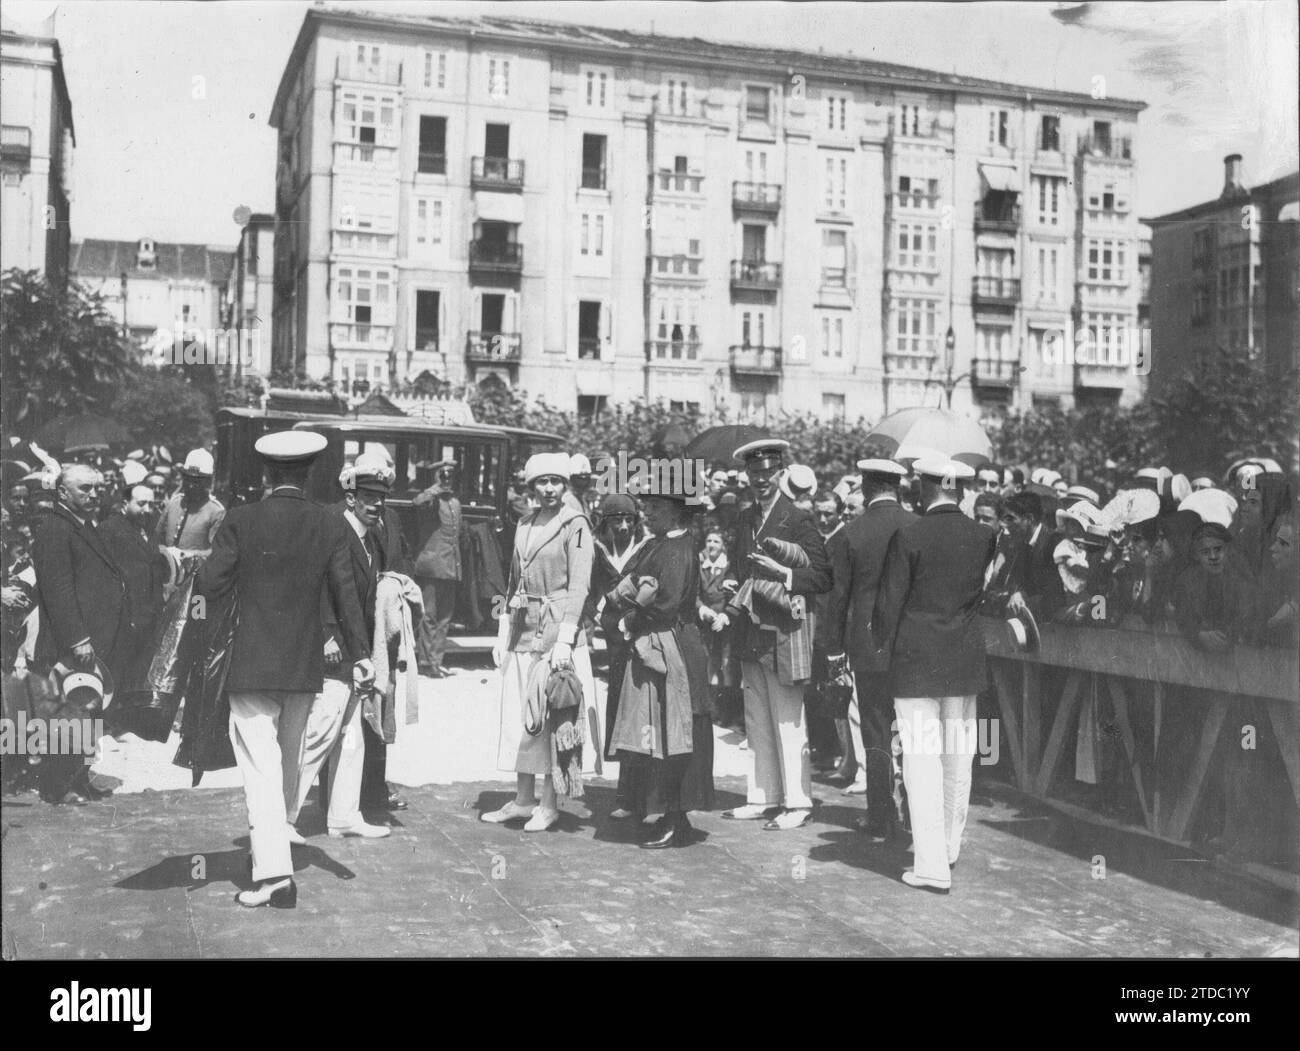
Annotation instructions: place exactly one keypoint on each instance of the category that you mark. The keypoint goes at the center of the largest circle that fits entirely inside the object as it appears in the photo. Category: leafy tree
(1104, 445)
(162, 406)
(63, 352)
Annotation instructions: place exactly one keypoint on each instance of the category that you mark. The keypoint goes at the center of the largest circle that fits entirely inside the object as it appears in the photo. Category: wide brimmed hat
(1023, 629)
(798, 481)
(89, 690)
(1083, 512)
(1211, 506)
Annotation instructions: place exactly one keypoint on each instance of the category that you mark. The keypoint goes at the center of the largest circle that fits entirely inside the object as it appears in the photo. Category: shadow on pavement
(196, 870)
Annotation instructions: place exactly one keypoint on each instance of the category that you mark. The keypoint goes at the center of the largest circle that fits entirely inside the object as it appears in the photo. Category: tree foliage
(163, 406)
(63, 352)
(1103, 444)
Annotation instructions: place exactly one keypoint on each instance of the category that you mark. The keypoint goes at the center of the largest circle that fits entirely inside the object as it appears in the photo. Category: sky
(162, 153)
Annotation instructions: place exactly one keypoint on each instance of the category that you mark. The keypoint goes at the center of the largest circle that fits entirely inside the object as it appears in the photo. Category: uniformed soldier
(277, 555)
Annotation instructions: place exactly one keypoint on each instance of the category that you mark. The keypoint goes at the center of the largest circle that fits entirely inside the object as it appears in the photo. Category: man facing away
(926, 619)
(277, 555)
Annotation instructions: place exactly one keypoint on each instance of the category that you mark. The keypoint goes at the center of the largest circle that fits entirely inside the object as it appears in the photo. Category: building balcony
(760, 198)
(912, 365)
(755, 275)
(1003, 292)
(496, 257)
(1113, 147)
(1101, 377)
(994, 374)
(676, 182)
(997, 220)
(431, 163)
(671, 351)
(361, 336)
(497, 173)
(493, 347)
(749, 360)
(15, 144)
(676, 268)
(347, 67)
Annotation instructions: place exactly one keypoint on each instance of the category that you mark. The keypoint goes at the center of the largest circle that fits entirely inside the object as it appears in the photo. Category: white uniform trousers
(333, 732)
(938, 737)
(266, 730)
(778, 740)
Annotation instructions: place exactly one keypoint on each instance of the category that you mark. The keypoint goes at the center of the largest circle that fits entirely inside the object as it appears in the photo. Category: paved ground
(152, 872)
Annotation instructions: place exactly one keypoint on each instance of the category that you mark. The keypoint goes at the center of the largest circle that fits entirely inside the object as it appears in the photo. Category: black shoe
(71, 798)
(392, 802)
(284, 896)
(668, 832)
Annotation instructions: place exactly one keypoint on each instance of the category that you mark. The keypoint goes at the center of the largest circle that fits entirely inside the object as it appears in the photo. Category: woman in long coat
(658, 716)
(549, 576)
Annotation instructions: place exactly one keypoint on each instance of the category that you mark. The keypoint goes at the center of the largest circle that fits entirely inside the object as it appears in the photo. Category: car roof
(397, 425)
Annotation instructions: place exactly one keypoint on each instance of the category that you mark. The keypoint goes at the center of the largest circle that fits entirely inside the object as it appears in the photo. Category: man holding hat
(277, 555)
(190, 518)
(849, 631)
(925, 618)
(438, 567)
(772, 671)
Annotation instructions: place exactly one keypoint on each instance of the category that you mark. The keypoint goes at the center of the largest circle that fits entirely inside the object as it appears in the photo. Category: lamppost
(948, 382)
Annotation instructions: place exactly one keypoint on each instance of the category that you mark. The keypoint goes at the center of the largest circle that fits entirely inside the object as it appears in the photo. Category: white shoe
(296, 837)
(787, 820)
(924, 883)
(750, 812)
(542, 819)
(509, 812)
(621, 814)
(362, 829)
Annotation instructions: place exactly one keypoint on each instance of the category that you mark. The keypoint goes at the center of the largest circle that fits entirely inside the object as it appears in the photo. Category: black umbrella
(85, 431)
(718, 444)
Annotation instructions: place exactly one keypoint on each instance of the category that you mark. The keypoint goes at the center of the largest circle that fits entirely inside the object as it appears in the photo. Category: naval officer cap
(948, 473)
(290, 447)
(882, 470)
(762, 453)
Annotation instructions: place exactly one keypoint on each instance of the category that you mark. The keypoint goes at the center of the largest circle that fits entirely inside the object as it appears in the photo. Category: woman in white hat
(550, 574)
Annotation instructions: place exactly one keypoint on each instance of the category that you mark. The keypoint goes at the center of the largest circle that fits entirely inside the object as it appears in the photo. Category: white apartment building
(248, 307)
(36, 143)
(596, 215)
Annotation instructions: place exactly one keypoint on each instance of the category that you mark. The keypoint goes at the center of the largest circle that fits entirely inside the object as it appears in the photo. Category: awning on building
(1003, 177)
(499, 207)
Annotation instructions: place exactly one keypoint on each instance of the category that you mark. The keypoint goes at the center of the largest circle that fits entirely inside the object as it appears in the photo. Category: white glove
(720, 622)
(503, 640)
(562, 655)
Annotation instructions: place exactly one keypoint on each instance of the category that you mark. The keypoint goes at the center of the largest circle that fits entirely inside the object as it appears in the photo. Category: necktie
(369, 544)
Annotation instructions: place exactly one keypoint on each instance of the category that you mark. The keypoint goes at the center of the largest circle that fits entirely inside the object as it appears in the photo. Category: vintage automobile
(484, 456)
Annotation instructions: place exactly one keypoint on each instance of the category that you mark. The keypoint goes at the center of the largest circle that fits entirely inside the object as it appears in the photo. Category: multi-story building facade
(248, 306)
(597, 215)
(36, 143)
(163, 295)
(1225, 274)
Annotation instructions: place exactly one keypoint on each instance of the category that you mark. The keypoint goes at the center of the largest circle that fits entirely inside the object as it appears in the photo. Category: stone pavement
(152, 871)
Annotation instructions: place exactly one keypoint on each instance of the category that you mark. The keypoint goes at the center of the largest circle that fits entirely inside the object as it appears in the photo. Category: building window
(687, 407)
(1049, 275)
(1047, 191)
(677, 331)
(835, 258)
(366, 120)
(999, 127)
(914, 326)
(593, 162)
(914, 192)
(909, 120)
(1106, 261)
(836, 184)
(362, 297)
(837, 107)
(433, 146)
(435, 69)
(365, 207)
(1049, 134)
(1201, 305)
(589, 330)
(595, 87)
(1106, 198)
(591, 240)
(1105, 340)
(756, 166)
(832, 336)
(916, 246)
(677, 95)
(427, 306)
(753, 328)
(758, 104)
(428, 232)
(590, 406)
(498, 77)
(993, 343)
(1202, 246)
(833, 407)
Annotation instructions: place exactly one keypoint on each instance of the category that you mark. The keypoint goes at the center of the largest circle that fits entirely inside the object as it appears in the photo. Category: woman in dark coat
(658, 721)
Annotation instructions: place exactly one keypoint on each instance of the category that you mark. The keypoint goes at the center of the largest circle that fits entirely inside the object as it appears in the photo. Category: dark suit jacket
(786, 522)
(365, 577)
(439, 519)
(926, 612)
(81, 590)
(277, 555)
(854, 592)
(143, 566)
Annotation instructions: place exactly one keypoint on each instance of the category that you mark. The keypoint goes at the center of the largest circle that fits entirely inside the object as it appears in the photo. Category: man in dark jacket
(277, 555)
(776, 654)
(84, 611)
(438, 568)
(926, 619)
(848, 631)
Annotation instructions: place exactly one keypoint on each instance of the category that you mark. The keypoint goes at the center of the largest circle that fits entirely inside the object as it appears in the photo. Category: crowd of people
(795, 609)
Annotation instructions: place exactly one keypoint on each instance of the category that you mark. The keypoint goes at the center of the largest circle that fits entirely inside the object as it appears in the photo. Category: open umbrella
(85, 431)
(911, 434)
(717, 444)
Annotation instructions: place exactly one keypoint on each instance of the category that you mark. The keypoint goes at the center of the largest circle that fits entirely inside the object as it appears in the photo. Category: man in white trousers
(925, 619)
